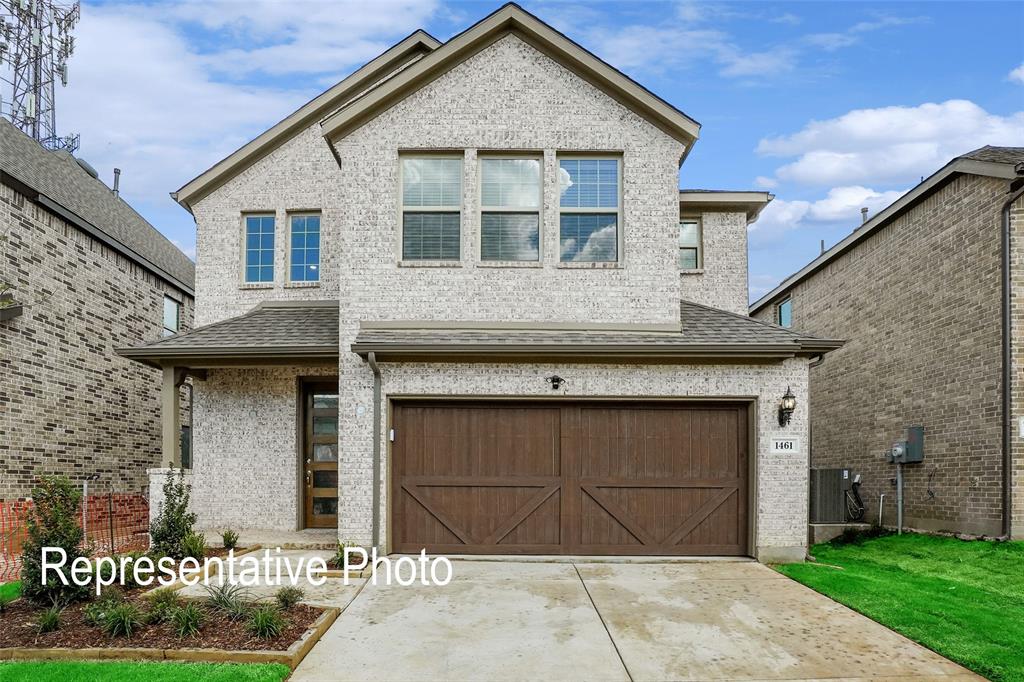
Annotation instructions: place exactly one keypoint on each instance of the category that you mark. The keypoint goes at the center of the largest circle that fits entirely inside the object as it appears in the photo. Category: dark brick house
(84, 274)
(925, 293)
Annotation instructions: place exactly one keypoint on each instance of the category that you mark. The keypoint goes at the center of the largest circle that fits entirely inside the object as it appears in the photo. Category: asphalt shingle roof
(996, 154)
(59, 177)
(291, 328)
(298, 329)
(702, 327)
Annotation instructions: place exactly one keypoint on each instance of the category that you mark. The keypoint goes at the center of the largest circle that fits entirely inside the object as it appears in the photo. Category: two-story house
(928, 294)
(81, 273)
(458, 302)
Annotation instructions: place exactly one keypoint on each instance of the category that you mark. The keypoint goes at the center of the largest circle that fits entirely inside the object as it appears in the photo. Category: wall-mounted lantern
(555, 381)
(786, 407)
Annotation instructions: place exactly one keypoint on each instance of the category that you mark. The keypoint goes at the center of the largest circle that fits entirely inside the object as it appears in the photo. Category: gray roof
(296, 330)
(996, 154)
(705, 332)
(272, 330)
(66, 188)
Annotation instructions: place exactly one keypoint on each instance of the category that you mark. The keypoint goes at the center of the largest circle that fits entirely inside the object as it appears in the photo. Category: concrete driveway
(510, 620)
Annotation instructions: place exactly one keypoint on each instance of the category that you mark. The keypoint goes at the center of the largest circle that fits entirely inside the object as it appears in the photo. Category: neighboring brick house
(917, 292)
(90, 274)
(458, 302)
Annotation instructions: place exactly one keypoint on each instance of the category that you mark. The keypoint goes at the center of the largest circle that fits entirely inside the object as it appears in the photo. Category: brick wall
(68, 404)
(919, 304)
(1017, 360)
(722, 282)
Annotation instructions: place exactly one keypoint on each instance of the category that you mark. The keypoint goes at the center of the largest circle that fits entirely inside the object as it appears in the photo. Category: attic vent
(87, 167)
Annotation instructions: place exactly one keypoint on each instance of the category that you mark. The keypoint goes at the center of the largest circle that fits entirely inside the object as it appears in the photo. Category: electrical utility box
(909, 451)
(828, 495)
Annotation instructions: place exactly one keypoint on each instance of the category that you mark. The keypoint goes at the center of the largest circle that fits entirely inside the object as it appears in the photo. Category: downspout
(1016, 190)
(372, 359)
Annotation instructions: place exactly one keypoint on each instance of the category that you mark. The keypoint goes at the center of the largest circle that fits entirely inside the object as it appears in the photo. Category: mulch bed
(18, 628)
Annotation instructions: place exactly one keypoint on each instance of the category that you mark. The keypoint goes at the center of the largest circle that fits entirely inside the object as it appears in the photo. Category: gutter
(1016, 190)
(375, 497)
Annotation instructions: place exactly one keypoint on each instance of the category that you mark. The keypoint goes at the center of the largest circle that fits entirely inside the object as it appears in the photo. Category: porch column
(170, 418)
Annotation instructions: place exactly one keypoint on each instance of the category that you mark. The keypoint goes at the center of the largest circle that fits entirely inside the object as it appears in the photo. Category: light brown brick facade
(68, 403)
(919, 304)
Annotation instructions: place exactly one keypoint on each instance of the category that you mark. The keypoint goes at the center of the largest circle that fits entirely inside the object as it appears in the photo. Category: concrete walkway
(612, 621)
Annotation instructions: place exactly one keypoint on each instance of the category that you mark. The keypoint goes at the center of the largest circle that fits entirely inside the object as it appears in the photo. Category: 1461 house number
(781, 446)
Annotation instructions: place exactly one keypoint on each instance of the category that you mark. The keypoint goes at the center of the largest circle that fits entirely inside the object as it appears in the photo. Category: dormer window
(591, 211)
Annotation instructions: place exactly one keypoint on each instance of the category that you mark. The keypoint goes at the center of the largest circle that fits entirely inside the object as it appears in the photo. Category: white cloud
(766, 183)
(886, 145)
(841, 206)
(1017, 75)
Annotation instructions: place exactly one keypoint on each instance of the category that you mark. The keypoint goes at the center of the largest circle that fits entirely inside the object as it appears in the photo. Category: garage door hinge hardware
(391, 435)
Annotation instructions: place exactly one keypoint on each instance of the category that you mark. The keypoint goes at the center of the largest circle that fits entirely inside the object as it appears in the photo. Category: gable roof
(56, 181)
(366, 77)
(996, 162)
(512, 17)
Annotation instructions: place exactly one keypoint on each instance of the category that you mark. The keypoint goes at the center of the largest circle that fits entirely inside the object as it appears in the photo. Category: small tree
(174, 521)
(53, 522)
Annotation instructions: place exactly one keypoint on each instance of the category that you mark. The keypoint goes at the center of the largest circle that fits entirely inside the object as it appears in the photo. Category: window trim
(481, 209)
(244, 282)
(461, 210)
(620, 255)
(288, 249)
(700, 243)
(778, 312)
(165, 331)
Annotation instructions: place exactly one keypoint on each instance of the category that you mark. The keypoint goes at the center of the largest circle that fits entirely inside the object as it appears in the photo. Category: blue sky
(831, 106)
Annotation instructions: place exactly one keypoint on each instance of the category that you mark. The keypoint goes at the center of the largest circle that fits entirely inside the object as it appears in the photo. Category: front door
(320, 454)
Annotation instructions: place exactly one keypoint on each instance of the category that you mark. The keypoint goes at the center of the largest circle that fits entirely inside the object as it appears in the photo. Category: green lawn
(964, 600)
(61, 671)
(10, 589)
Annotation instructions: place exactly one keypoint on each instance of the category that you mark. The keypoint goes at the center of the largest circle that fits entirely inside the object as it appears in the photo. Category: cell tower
(35, 44)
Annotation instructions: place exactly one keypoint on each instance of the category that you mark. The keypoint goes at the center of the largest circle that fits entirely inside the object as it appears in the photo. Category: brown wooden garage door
(590, 478)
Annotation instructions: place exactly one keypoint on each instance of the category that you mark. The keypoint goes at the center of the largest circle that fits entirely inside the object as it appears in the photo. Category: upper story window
(304, 258)
(784, 313)
(691, 250)
(590, 217)
(431, 207)
(510, 198)
(259, 248)
(172, 316)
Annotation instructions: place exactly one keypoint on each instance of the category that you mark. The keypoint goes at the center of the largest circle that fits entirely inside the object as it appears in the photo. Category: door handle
(309, 478)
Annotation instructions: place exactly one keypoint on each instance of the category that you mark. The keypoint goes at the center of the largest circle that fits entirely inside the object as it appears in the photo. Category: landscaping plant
(265, 621)
(230, 539)
(122, 620)
(194, 545)
(5, 600)
(162, 604)
(288, 597)
(230, 599)
(96, 612)
(53, 522)
(49, 619)
(174, 521)
(186, 620)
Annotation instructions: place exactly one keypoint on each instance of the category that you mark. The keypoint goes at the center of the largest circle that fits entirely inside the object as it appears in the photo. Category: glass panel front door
(320, 454)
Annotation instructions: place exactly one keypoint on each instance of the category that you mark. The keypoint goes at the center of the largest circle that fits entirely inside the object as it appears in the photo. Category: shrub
(53, 522)
(288, 597)
(49, 620)
(122, 619)
(338, 560)
(174, 522)
(129, 566)
(5, 601)
(194, 545)
(112, 594)
(162, 604)
(186, 620)
(228, 598)
(238, 611)
(265, 621)
(230, 539)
